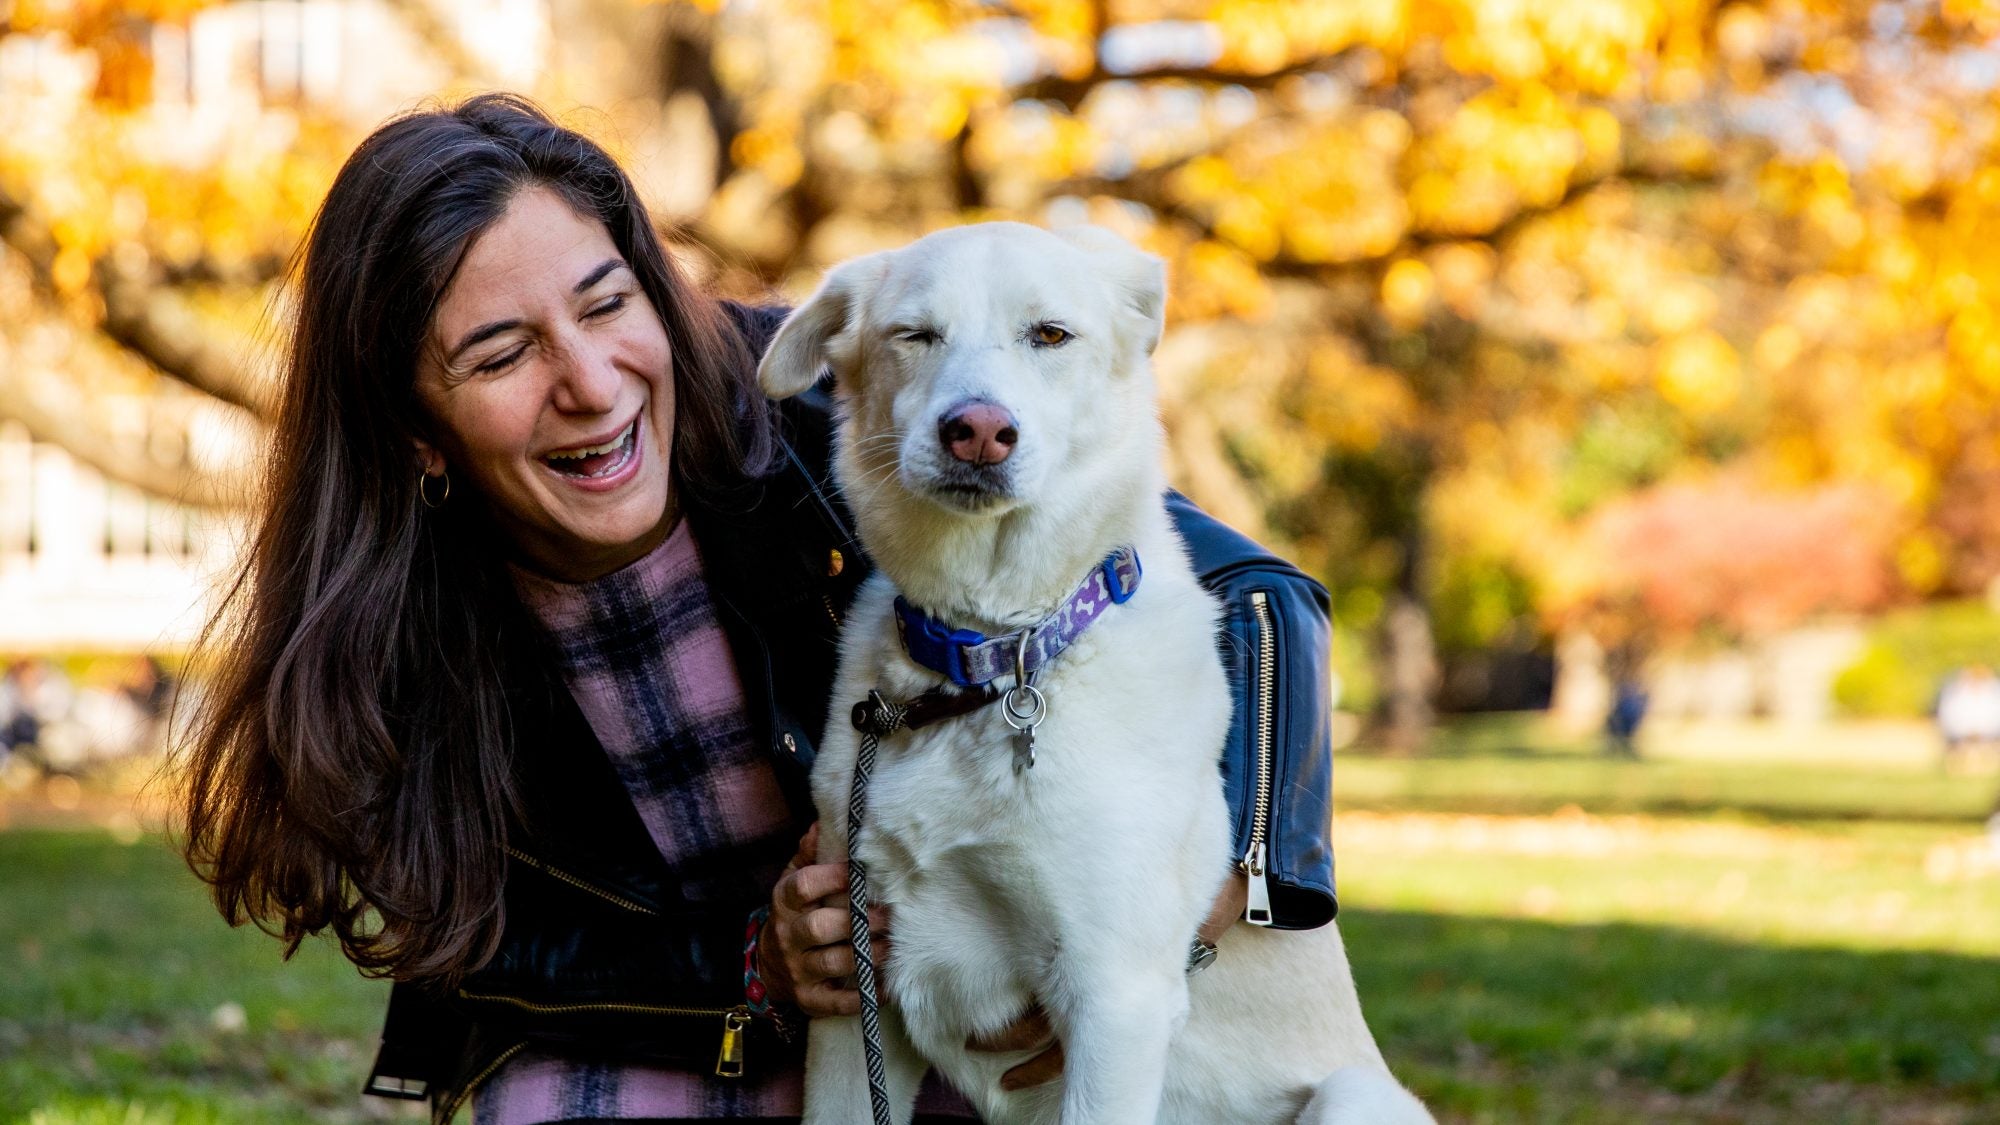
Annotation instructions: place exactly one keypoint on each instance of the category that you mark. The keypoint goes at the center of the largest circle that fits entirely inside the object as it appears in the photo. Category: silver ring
(1201, 954)
(1023, 706)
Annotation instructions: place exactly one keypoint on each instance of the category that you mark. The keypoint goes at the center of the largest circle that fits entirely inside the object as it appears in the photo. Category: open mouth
(589, 462)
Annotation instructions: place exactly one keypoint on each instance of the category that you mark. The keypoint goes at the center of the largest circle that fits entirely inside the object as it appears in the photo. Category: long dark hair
(349, 765)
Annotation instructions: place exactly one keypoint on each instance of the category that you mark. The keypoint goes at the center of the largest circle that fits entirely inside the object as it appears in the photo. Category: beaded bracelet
(755, 995)
(787, 1020)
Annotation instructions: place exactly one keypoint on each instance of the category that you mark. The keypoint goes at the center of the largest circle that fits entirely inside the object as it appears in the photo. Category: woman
(518, 690)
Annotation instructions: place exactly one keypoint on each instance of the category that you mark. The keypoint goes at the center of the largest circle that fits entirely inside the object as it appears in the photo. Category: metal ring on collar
(1021, 656)
(1024, 706)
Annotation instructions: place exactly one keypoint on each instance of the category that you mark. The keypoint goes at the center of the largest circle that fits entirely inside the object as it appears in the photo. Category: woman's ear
(821, 332)
(1139, 277)
(430, 460)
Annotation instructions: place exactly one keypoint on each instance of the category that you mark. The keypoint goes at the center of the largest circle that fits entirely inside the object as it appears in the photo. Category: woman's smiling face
(550, 380)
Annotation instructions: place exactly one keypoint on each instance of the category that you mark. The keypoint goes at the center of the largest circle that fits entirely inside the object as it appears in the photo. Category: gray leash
(874, 720)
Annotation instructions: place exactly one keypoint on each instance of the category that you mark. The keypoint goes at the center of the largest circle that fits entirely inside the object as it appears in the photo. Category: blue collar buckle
(932, 645)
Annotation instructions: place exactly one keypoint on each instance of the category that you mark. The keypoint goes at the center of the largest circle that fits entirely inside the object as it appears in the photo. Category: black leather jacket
(597, 953)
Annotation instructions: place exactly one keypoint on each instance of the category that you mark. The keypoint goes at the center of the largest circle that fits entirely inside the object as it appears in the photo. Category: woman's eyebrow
(483, 332)
(603, 270)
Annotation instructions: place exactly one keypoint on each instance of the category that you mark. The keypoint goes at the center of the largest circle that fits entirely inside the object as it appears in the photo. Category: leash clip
(874, 716)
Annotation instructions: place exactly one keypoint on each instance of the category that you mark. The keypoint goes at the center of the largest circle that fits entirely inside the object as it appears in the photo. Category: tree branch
(151, 321)
(1070, 92)
(57, 412)
(140, 315)
(1629, 174)
(1149, 188)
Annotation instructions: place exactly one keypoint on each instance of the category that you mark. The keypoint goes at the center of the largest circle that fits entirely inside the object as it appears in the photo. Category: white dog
(998, 441)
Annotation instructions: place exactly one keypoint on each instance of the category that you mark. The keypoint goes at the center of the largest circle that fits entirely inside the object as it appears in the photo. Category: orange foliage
(1424, 249)
(1728, 557)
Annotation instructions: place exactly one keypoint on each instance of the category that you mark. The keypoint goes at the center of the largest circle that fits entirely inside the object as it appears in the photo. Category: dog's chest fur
(982, 866)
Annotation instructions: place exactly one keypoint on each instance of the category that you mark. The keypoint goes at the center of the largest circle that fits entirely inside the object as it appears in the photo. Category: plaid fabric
(651, 670)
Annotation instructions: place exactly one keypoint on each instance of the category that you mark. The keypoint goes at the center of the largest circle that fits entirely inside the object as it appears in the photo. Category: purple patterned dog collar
(970, 659)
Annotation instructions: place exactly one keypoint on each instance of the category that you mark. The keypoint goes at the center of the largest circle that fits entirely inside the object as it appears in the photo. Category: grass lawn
(1647, 969)
(1769, 934)
(1515, 764)
(125, 1000)
(1749, 924)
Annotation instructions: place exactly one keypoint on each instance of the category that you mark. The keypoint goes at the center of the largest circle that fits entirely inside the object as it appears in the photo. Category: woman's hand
(806, 954)
(1229, 906)
(1029, 1032)
(1032, 1030)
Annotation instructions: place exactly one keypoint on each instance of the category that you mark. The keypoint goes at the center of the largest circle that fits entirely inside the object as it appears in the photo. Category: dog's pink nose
(979, 433)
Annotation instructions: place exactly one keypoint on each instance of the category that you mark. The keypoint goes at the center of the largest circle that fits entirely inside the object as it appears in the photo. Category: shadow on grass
(1498, 734)
(1499, 1019)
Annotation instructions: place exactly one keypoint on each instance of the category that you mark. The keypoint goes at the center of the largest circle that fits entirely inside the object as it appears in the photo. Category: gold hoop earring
(424, 491)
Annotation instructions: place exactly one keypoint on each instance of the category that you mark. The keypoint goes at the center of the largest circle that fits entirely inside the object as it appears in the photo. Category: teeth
(593, 450)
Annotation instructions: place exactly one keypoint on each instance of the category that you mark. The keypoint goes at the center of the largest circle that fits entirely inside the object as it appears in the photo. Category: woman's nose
(587, 379)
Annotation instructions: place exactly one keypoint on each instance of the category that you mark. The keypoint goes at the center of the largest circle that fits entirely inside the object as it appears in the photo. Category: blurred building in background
(359, 59)
(91, 565)
(94, 564)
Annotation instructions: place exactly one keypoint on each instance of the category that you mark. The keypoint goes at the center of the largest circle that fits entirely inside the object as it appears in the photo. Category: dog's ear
(809, 340)
(1141, 278)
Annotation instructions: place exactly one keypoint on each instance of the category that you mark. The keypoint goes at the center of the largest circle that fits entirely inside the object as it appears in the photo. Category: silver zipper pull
(1258, 912)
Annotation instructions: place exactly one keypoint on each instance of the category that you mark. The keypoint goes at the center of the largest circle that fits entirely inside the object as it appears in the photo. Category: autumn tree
(1447, 275)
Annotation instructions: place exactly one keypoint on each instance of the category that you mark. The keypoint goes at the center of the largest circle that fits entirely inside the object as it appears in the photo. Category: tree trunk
(1408, 650)
(1583, 687)
(622, 64)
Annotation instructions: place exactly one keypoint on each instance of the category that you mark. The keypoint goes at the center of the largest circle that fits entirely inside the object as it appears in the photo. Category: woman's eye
(1051, 335)
(609, 306)
(505, 359)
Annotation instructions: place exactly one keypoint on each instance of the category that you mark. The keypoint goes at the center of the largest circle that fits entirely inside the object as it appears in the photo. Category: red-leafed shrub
(1727, 557)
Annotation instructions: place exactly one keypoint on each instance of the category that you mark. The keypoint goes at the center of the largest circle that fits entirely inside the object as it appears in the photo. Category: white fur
(1080, 882)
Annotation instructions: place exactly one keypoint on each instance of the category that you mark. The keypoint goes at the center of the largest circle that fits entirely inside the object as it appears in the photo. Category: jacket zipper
(465, 1091)
(1255, 869)
(735, 1020)
(580, 884)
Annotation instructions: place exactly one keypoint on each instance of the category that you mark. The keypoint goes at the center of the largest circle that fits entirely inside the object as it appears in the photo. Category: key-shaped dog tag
(1024, 708)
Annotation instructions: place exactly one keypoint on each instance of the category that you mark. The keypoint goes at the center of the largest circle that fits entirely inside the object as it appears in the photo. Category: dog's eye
(918, 335)
(1049, 335)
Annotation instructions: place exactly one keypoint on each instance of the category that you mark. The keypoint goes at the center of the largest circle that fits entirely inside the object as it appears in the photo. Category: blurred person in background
(1968, 713)
(35, 698)
(148, 689)
(487, 707)
(1628, 702)
(17, 722)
